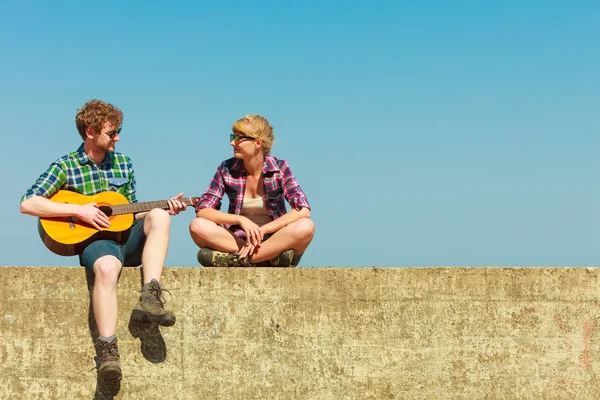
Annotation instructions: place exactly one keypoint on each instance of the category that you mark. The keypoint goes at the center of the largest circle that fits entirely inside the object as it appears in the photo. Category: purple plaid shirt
(279, 186)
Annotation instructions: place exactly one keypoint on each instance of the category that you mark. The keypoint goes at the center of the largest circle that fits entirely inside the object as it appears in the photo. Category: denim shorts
(129, 253)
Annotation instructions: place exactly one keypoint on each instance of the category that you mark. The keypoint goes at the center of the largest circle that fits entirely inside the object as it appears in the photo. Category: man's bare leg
(106, 314)
(104, 294)
(151, 307)
(156, 227)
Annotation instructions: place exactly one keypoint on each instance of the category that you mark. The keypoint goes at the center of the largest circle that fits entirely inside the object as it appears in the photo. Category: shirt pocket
(275, 194)
(276, 203)
(117, 184)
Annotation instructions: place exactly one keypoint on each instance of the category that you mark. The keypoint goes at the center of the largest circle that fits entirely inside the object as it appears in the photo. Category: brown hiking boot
(151, 307)
(110, 366)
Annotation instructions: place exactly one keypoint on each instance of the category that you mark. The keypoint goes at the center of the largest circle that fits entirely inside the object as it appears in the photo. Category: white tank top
(255, 211)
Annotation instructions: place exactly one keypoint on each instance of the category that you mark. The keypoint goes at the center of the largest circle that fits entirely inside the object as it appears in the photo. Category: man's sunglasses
(237, 138)
(112, 134)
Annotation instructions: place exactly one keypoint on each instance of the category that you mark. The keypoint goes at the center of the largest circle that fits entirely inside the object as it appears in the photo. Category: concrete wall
(423, 333)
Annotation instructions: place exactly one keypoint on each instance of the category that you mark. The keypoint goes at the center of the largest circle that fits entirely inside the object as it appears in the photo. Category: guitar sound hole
(106, 210)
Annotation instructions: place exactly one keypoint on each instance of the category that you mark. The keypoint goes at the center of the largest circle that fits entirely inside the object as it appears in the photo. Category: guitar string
(120, 209)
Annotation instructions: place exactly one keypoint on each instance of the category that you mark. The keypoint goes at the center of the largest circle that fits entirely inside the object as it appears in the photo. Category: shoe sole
(110, 374)
(162, 320)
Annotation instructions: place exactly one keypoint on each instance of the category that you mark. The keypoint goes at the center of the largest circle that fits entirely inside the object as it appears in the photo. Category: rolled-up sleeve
(291, 188)
(48, 183)
(214, 192)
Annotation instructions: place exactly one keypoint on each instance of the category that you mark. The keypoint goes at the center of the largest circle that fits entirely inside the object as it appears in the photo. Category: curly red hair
(94, 113)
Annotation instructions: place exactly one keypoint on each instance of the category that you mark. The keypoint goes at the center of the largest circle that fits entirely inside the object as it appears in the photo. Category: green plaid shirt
(78, 173)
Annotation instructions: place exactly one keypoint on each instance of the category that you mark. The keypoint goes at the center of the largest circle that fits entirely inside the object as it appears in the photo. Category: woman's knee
(107, 270)
(304, 229)
(201, 227)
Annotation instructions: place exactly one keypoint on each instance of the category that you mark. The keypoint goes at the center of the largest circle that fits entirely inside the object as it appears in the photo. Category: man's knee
(157, 219)
(107, 270)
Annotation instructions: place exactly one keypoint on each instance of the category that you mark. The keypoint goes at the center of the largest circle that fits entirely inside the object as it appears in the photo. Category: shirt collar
(238, 165)
(84, 159)
(81, 156)
(269, 165)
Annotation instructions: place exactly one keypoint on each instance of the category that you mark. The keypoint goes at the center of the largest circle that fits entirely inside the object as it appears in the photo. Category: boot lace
(157, 298)
(109, 351)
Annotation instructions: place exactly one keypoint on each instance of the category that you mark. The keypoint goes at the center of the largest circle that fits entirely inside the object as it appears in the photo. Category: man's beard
(108, 149)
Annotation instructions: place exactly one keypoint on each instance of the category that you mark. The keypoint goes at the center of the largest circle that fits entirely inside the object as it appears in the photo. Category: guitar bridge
(71, 222)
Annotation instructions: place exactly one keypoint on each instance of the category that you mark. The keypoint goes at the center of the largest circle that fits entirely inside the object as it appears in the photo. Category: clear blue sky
(423, 133)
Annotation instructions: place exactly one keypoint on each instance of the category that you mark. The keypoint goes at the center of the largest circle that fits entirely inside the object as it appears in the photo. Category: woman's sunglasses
(237, 138)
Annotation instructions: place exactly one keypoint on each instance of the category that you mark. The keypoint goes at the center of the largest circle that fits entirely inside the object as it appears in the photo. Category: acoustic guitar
(68, 236)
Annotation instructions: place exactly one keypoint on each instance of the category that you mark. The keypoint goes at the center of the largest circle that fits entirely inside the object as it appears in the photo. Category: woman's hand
(263, 231)
(253, 232)
(247, 250)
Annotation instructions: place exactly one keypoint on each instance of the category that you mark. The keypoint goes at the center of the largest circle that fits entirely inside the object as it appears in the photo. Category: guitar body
(68, 236)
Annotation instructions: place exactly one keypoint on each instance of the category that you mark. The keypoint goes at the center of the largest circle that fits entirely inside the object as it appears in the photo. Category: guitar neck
(133, 208)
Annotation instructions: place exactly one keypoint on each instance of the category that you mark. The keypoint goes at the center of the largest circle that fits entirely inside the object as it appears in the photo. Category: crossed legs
(296, 236)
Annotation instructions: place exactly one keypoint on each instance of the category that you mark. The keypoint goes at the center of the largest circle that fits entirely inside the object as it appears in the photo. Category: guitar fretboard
(133, 208)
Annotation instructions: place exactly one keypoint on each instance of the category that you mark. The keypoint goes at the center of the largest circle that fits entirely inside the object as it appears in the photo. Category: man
(95, 167)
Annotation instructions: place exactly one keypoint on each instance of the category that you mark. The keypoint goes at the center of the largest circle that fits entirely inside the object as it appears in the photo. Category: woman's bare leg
(206, 233)
(296, 236)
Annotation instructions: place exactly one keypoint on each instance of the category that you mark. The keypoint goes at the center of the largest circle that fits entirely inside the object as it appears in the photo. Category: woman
(257, 230)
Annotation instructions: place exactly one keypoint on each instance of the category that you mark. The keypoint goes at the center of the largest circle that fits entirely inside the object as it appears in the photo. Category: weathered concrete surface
(422, 333)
